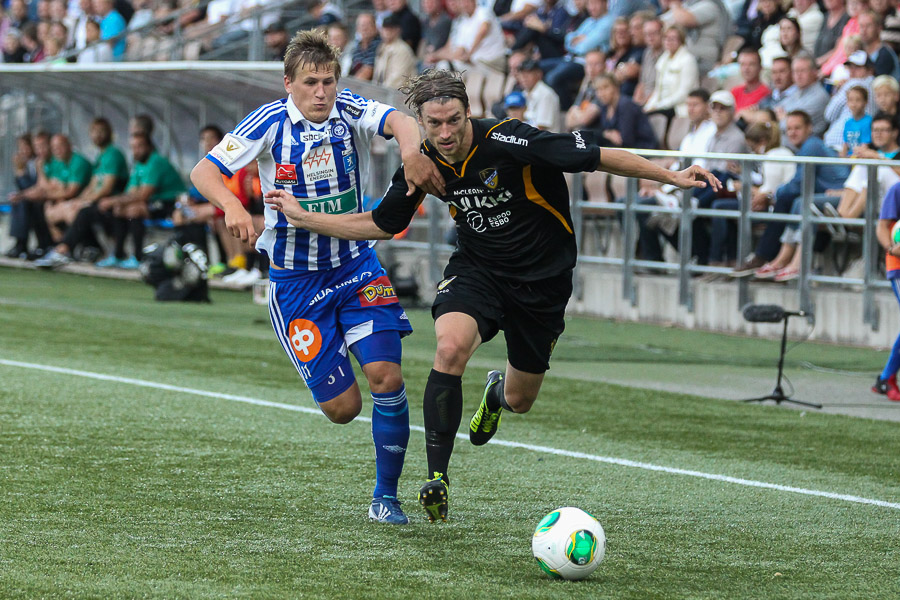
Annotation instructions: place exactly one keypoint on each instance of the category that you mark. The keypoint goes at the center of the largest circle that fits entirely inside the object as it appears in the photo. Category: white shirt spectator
(697, 141)
(776, 174)
(810, 25)
(98, 53)
(859, 180)
(465, 28)
(543, 107)
(676, 76)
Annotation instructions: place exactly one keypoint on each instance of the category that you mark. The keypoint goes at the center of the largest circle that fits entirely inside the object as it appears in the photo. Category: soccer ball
(895, 233)
(568, 543)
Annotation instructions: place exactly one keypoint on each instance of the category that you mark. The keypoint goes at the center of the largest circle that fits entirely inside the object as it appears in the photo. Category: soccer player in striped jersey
(328, 296)
(512, 269)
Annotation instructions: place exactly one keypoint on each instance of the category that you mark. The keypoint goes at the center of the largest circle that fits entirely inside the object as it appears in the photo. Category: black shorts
(531, 314)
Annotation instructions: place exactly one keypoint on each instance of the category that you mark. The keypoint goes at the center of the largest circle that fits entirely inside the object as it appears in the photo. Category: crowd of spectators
(771, 77)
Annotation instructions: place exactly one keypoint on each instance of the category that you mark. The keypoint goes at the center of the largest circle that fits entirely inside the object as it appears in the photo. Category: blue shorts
(317, 315)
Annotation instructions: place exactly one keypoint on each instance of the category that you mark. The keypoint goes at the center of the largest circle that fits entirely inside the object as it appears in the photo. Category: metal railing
(687, 214)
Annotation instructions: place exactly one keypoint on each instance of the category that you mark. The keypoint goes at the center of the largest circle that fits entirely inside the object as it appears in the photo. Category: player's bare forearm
(207, 178)
(627, 164)
(358, 226)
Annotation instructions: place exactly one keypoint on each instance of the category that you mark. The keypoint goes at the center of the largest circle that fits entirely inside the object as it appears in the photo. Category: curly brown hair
(434, 84)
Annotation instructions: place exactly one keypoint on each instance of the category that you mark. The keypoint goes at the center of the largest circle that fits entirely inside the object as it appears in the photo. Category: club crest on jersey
(285, 174)
(338, 130)
(490, 178)
(377, 292)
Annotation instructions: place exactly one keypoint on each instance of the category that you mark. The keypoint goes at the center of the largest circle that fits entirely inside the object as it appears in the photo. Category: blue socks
(390, 432)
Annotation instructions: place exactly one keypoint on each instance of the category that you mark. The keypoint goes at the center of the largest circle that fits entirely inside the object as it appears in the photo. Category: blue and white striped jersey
(324, 165)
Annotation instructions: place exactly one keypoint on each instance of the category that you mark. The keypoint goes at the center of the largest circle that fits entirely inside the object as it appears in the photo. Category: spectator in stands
(17, 16)
(276, 39)
(13, 51)
(152, 189)
(69, 173)
(790, 36)
(34, 50)
(782, 83)
(94, 52)
(676, 75)
(475, 39)
(381, 11)
(870, 32)
(763, 138)
(769, 14)
(584, 111)
(515, 104)
(543, 103)
(410, 26)
(79, 25)
(706, 21)
(436, 25)
(27, 215)
(828, 62)
(886, 90)
(837, 111)
(340, 39)
(362, 65)
(751, 91)
(513, 20)
(620, 122)
(623, 59)
(850, 204)
(858, 126)
(326, 12)
(810, 18)
(800, 134)
(112, 24)
(544, 30)
(395, 61)
(808, 96)
(653, 50)
(835, 19)
(695, 142)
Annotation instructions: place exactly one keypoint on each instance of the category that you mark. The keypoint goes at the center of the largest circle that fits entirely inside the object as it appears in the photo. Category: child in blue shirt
(858, 127)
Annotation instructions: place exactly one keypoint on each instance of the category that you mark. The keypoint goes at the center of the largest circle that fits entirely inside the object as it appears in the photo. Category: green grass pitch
(114, 490)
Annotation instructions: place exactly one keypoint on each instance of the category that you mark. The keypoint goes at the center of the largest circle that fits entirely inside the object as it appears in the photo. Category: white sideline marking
(543, 449)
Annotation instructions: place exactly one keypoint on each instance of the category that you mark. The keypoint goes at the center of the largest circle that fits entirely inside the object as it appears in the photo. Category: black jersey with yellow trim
(508, 197)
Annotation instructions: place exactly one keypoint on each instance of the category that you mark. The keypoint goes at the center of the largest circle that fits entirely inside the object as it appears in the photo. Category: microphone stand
(778, 394)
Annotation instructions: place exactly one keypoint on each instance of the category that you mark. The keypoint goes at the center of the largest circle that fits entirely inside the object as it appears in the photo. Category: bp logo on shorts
(305, 338)
(490, 178)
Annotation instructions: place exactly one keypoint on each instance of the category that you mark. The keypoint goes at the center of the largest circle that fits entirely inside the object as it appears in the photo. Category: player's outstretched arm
(627, 164)
(208, 180)
(358, 226)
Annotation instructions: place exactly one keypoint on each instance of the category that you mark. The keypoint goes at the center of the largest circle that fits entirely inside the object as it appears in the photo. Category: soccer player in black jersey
(512, 269)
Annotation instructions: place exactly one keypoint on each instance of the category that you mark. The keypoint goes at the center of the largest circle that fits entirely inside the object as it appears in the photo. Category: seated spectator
(787, 44)
(782, 84)
(562, 73)
(543, 104)
(513, 20)
(276, 39)
(339, 38)
(768, 14)
(676, 75)
(326, 12)
(623, 59)
(516, 105)
(362, 63)
(620, 122)
(653, 49)
(850, 204)
(95, 52)
(31, 43)
(829, 61)
(584, 111)
(695, 142)
(763, 138)
(827, 177)
(436, 25)
(886, 91)
(706, 21)
(833, 24)
(751, 91)
(84, 14)
(395, 61)
(544, 30)
(112, 24)
(13, 51)
(17, 14)
(475, 39)
(858, 127)
(69, 173)
(884, 58)
(27, 214)
(837, 111)
(410, 26)
(808, 96)
(810, 19)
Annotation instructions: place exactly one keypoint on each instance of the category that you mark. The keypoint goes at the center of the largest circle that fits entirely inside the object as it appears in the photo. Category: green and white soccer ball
(895, 233)
(569, 543)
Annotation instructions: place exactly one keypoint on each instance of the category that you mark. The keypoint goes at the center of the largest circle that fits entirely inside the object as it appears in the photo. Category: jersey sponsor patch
(349, 162)
(579, 141)
(306, 340)
(509, 139)
(353, 111)
(377, 292)
(228, 150)
(338, 204)
(285, 174)
(319, 164)
(311, 137)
